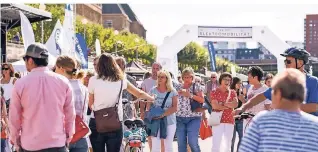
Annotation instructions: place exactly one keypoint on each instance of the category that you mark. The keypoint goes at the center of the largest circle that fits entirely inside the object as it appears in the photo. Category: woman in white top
(66, 66)
(7, 81)
(103, 93)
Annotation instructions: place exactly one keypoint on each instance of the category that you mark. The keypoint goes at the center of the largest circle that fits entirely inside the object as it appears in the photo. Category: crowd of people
(48, 109)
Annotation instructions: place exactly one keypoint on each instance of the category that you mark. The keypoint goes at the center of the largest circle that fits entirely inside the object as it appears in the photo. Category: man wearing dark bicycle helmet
(295, 58)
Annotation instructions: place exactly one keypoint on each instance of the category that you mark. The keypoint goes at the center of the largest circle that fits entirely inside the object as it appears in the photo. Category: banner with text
(224, 32)
(212, 56)
(81, 50)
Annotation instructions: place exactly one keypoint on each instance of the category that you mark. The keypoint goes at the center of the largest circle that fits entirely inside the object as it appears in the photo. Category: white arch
(167, 52)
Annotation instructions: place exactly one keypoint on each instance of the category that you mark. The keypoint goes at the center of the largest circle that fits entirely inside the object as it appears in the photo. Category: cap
(37, 50)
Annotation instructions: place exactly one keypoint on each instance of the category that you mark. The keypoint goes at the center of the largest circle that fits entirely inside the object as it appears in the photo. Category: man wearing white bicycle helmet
(295, 58)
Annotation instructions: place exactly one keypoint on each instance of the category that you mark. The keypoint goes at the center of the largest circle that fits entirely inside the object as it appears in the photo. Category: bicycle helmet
(297, 53)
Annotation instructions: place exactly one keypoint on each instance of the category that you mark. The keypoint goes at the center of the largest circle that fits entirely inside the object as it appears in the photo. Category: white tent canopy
(19, 66)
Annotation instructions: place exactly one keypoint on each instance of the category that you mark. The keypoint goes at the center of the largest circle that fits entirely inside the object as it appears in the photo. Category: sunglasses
(5, 68)
(213, 77)
(161, 77)
(287, 61)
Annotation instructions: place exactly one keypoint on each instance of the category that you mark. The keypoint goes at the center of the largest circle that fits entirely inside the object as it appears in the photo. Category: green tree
(131, 43)
(196, 56)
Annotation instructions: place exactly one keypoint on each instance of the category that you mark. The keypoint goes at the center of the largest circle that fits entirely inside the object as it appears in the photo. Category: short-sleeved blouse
(220, 97)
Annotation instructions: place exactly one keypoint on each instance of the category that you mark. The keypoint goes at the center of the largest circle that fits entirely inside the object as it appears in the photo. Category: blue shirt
(171, 119)
(282, 131)
(312, 91)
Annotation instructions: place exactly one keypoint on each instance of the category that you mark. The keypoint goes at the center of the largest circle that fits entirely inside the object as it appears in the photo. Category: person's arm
(14, 80)
(69, 112)
(138, 93)
(312, 103)
(172, 109)
(4, 113)
(15, 117)
(253, 102)
(232, 104)
(217, 106)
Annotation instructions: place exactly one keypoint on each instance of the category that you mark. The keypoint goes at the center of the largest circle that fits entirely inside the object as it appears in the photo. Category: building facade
(121, 17)
(92, 12)
(311, 34)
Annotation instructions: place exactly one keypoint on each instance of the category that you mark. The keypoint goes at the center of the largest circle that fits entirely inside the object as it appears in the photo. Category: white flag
(27, 31)
(57, 44)
(97, 48)
(68, 26)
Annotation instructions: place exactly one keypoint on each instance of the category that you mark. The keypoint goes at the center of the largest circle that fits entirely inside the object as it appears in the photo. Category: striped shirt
(281, 131)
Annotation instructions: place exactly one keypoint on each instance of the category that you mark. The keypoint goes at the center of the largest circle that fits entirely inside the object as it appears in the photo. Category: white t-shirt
(148, 84)
(106, 94)
(261, 106)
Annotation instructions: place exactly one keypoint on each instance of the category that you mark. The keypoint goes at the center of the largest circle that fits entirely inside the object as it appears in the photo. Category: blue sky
(162, 19)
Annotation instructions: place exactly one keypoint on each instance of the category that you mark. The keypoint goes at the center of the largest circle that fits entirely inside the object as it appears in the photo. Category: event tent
(10, 18)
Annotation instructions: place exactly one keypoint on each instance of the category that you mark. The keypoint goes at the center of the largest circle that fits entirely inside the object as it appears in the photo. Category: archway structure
(167, 52)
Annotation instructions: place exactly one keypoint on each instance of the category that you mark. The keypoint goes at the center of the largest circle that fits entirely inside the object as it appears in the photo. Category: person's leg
(181, 134)
(233, 139)
(100, 142)
(3, 145)
(171, 130)
(79, 146)
(162, 145)
(217, 137)
(239, 128)
(228, 134)
(94, 134)
(114, 140)
(156, 146)
(193, 127)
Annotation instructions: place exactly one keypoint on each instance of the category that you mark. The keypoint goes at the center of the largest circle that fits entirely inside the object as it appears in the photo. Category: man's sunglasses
(213, 77)
(5, 68)
(287, 61)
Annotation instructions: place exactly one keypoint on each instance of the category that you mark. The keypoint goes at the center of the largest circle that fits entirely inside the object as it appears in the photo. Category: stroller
(135, 136)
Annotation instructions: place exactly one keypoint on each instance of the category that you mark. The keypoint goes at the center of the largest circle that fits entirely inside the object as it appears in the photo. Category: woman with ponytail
(67, 67)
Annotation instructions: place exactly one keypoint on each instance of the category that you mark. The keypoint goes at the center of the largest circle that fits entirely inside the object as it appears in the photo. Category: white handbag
(215, 117)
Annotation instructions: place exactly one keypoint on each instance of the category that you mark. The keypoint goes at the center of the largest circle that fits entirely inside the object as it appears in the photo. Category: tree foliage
(196, 56)
(130, 46)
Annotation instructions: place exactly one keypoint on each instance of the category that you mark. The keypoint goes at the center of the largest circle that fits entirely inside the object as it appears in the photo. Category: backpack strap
(164, 100)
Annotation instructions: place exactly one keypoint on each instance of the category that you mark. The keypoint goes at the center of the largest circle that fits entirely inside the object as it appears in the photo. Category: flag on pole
(68, 26)
(81, 50)
(27, 31)
(97, 48)
(212, 56)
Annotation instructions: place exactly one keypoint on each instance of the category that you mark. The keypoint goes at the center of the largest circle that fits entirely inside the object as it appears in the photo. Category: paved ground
(205, 145)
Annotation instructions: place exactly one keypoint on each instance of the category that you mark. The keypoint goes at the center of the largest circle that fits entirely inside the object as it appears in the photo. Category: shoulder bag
(81, 129)
(215, 117)
(195, 106)
(107, 119)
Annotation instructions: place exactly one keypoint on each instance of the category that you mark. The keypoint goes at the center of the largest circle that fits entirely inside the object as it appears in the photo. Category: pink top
(42, 110)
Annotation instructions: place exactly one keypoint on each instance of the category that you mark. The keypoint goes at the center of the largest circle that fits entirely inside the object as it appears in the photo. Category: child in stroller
(135, 136)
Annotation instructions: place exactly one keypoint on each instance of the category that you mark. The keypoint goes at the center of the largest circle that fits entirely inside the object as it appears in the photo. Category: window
(108, 24)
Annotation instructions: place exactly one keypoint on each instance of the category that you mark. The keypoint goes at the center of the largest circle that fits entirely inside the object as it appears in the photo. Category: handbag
(195, 106)
(205, 130)
(107, 119)
(81, 128)
(215, 117)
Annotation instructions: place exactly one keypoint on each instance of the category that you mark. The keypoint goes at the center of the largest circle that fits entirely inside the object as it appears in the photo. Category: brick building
(121, 17)
(92, 12)
(311, 34)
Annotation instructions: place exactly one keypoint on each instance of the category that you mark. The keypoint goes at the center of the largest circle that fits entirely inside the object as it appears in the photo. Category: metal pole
(85, 32)
(116, 48)
(42, 32)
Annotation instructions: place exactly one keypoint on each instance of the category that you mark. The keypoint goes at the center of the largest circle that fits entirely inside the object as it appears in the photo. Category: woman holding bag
(66, 66)
(223, 102)
(165, 88)
(188, 122)
(105, 91)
